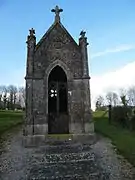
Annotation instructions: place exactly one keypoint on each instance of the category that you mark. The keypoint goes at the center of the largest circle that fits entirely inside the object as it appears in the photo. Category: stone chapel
(57, 84)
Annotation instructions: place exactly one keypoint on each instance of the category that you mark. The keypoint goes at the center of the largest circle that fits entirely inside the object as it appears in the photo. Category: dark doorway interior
(57, 102)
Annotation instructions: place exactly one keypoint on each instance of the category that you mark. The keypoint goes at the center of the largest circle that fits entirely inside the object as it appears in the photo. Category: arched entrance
(57, 102)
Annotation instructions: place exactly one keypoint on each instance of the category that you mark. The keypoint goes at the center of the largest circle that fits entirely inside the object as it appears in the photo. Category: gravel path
(96, 162)
(114, 164)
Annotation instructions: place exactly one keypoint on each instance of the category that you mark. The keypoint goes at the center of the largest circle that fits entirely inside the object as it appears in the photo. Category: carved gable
(57, 44)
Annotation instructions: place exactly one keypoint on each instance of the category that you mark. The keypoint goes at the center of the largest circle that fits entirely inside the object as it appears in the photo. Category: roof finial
(57, 12)
(32, 32)
(82, 34)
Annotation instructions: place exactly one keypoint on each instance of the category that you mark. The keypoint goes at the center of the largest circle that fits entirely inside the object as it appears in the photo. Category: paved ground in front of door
(96, 162)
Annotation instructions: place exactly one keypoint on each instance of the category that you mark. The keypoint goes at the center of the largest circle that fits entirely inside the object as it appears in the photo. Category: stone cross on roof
(57, 12)
(32, 32)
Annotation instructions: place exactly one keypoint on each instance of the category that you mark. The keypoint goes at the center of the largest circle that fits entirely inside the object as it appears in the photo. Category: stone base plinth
(52, 139)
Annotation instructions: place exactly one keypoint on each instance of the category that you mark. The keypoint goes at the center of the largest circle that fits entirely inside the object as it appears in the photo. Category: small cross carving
(57, 11)
(32, 32)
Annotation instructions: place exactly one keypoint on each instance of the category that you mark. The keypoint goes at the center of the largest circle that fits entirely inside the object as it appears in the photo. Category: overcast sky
(109, 26)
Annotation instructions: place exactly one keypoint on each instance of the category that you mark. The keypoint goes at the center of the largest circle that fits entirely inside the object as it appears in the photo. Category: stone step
(65, 161)
(68, 170)
(71, 177)
(62, 139)
(66, 148)
(63, 157)
(72, 157)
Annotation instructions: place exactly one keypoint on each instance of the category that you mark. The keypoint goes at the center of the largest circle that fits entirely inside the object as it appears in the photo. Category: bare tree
(1, 92)
(1, 95)
(112, 98)
(123, 92)
(123, 96)
(131, 96)
(115, 99)
(22, 96)
(99, 102)
(12, 96)
(5, 94)
(109, 98)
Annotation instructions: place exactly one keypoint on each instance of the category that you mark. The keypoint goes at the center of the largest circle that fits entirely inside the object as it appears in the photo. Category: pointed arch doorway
(57, 102)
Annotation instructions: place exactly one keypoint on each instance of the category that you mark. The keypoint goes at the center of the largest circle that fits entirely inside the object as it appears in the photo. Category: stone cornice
(34, 78)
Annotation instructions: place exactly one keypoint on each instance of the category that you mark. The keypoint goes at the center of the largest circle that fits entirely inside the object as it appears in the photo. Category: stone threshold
(57, 139)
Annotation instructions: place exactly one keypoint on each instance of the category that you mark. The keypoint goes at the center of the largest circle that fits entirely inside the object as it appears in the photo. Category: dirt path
(96, 162)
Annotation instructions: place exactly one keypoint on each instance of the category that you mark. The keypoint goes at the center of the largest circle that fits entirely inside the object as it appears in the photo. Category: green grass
(123, 139)
(9, 119)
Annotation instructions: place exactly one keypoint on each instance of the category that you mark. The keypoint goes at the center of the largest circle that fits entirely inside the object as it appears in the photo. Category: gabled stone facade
(57, 48)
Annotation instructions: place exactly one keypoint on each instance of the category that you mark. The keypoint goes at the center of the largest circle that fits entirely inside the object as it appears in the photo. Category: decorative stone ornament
(57, 13)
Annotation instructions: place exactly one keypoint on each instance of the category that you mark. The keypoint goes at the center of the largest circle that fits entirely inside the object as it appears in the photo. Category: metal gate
(57, 108)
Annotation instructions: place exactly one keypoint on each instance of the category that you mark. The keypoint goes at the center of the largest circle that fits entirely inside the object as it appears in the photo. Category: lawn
(123, 139)
(9, 119)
